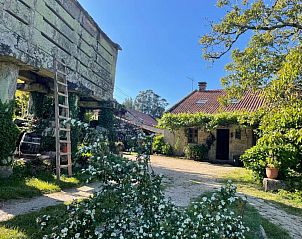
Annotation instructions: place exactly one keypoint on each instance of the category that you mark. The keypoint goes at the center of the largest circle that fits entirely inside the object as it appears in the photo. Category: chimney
(202, 86)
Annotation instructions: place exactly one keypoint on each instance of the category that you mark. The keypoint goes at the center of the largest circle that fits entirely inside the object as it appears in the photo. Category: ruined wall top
(33, 32)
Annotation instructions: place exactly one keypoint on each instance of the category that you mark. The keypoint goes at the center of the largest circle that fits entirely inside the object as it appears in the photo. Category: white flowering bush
(132, 204)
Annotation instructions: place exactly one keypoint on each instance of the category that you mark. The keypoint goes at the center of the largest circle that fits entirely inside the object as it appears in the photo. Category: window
(201, 101)
(234, 101)
(193, 135)
(238, 134)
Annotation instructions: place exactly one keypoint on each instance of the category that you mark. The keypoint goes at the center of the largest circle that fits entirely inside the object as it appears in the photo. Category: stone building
(33, 34)
(228, 143)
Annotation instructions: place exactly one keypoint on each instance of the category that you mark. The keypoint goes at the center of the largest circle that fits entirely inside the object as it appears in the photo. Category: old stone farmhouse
(229, 142)
(54, 49)
(33, 34)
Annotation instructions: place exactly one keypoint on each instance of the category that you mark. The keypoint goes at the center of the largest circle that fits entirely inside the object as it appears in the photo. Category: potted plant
(272, 167)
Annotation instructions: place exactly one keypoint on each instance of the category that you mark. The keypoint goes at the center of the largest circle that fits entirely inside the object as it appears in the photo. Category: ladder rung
(64, 129)
(64, 117)
(65, 141)
(61, 83)
(63, 106)
(62, 94)
(64, 166)
(62, 73)
(28, 142)
(64, 154)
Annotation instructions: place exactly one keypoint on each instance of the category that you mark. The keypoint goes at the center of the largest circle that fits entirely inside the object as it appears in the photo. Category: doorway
(223, 142)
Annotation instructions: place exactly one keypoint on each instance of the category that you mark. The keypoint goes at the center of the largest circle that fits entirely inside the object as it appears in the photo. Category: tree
(150, 103)
(128, 103)
(272, 58)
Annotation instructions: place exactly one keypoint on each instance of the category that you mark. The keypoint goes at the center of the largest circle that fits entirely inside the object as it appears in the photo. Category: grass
(18, 187)
(253, 220)
(290, 202)
(25, 226)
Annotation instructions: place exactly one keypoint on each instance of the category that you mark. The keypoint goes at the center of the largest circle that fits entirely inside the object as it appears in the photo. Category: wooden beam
(33, 87)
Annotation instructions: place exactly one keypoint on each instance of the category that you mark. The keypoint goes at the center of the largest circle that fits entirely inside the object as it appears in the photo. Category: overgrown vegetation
(9, 133)
(132, 203)
(280, 137)
(197, 152)
(160, 146)
(210, 121)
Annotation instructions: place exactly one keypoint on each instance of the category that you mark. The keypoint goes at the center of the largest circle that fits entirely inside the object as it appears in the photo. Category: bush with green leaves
(132, 204)
(159, 146)
(196, 151)
(280, 135)
(9, 133)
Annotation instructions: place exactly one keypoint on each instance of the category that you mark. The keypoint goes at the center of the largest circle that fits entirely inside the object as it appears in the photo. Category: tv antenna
(191, 79)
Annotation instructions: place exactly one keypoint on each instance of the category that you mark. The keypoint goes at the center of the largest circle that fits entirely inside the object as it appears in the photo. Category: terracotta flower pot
(272, 173)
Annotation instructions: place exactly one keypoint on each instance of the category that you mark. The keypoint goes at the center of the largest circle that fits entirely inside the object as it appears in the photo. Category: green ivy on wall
(209, 121)
(44, 112)
(107, 120)
(9, 133)
(74, 111)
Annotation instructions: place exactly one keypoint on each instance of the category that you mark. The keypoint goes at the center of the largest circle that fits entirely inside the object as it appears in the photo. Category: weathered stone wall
(33, 32)
(236, 146)
(177, 139)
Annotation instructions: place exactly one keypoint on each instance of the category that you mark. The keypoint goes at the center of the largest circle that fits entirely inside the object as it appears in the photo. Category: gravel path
(188, 179)
(17, 207)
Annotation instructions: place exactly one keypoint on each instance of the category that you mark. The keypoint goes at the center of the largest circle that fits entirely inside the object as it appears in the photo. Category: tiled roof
(207, 102)
(141, 118)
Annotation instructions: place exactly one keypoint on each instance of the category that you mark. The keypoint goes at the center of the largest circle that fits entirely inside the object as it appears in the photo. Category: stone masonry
(34, 32)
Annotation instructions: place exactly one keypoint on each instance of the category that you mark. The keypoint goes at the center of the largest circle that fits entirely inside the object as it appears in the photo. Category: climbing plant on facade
(209, 121)
(9, 133)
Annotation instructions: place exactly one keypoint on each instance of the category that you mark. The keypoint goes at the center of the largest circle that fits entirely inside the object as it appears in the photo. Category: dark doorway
(223, 141)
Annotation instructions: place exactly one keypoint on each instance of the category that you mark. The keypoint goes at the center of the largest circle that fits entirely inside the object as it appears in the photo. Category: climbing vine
(43, 111)
(9, 133)
(210, 121)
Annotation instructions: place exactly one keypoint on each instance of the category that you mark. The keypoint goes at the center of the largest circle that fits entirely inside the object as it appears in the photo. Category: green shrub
(9, 133)
(196, 151)
(159, 146)
(280, 135)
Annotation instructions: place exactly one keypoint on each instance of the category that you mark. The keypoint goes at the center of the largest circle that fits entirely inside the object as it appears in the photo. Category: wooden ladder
(62, 131)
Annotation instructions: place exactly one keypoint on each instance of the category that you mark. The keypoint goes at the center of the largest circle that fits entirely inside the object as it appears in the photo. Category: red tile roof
(141, 118)
(208, 103)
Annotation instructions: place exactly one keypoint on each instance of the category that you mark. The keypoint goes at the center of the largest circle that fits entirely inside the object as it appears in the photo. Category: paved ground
(17, 207)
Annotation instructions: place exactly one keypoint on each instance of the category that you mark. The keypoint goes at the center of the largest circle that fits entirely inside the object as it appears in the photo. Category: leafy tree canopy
(272, 60)
(150, 103)
(128, 103)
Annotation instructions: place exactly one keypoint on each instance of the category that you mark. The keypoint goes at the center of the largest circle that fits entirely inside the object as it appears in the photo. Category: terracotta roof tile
(139, 117)
(207, 102)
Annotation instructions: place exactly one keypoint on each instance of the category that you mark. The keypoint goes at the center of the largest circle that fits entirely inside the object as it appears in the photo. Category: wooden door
(222, 144)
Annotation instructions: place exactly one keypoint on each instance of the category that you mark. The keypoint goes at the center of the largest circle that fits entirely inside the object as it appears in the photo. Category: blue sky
(160, 46)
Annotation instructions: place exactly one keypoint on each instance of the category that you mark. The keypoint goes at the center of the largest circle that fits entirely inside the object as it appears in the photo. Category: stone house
(228, 143)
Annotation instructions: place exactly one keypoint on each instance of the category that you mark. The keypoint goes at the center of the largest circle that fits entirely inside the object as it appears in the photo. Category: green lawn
(25, 226)
(290, 202)
(253, 220)
(27, 187)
